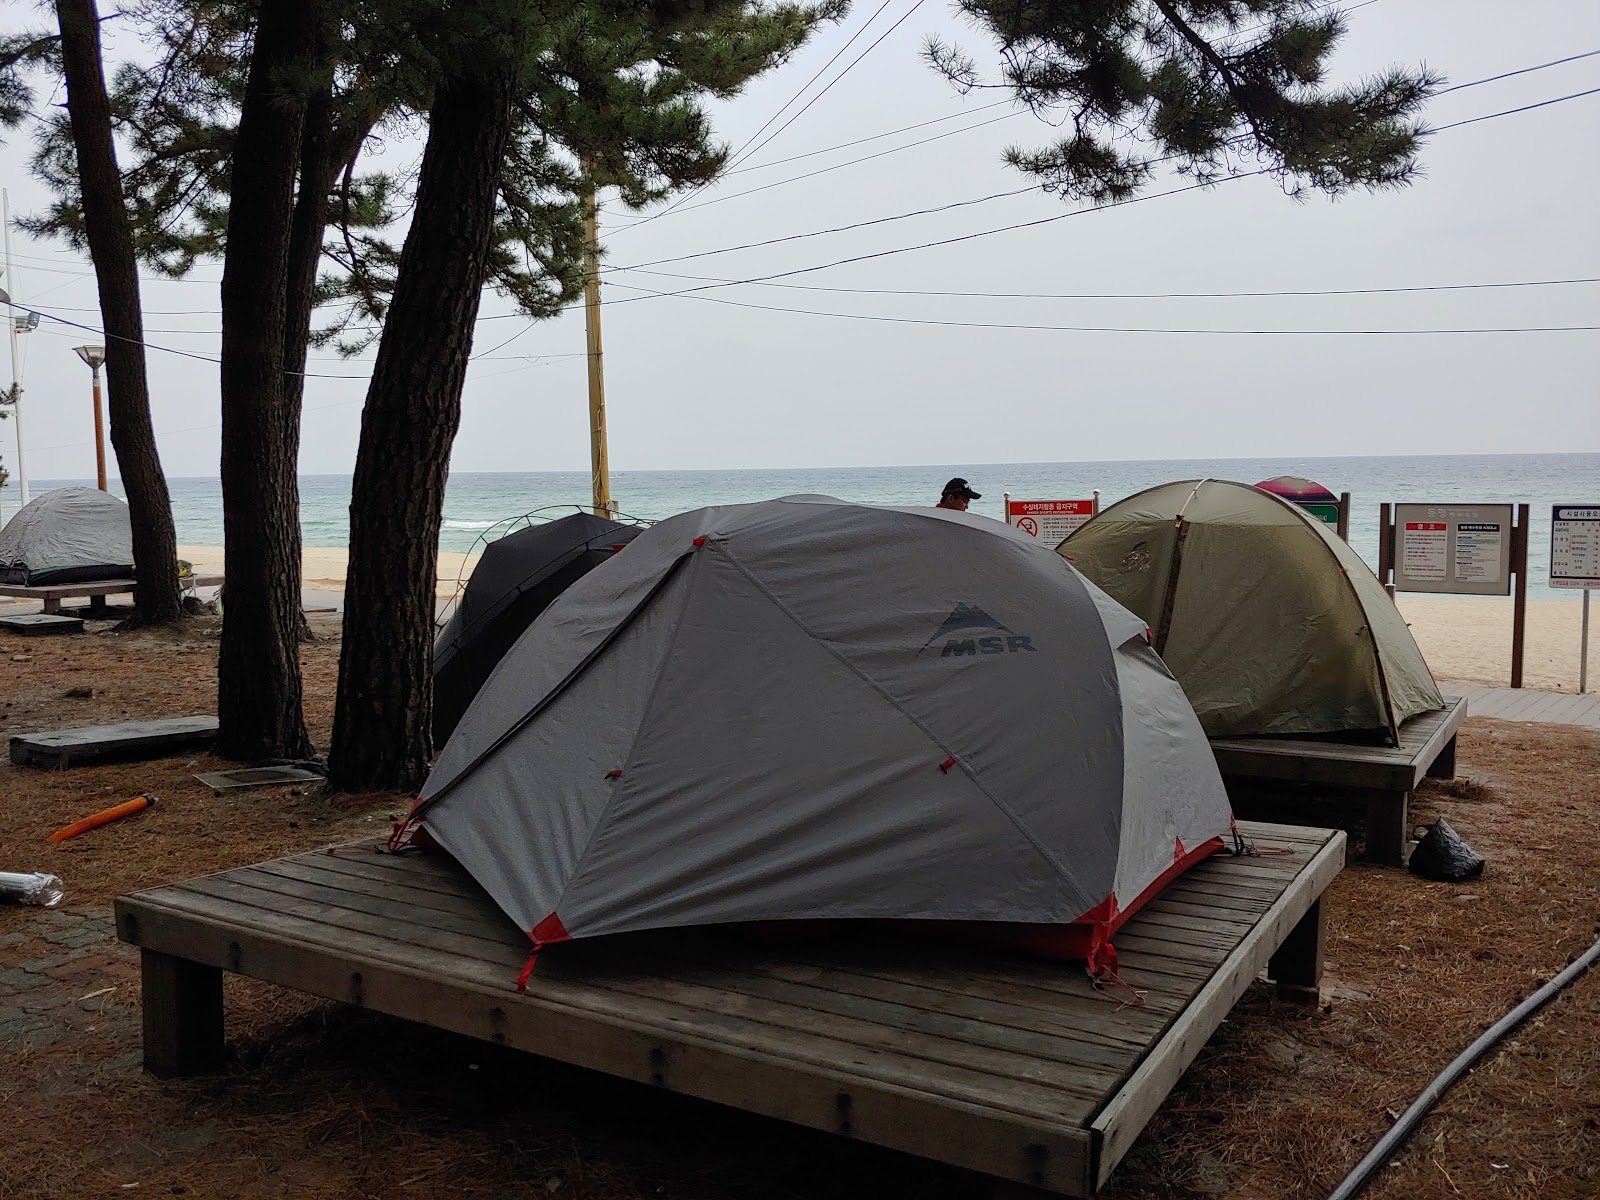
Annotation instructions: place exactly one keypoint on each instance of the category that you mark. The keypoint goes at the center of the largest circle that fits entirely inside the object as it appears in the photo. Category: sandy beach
(1465, 638)
(323, 568)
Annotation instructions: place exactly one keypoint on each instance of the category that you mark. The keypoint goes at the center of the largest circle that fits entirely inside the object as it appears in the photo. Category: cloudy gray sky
(701, 384)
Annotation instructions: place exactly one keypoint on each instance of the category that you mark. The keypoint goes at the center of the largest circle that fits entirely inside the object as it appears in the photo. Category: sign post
(1050, 521)
(1575, 563)
(1461, 550)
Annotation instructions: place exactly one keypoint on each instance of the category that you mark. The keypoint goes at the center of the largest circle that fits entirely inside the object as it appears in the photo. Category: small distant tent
(515, 580)
(1307, 493)
(804, 710)
(69, 535)
(1269, 620)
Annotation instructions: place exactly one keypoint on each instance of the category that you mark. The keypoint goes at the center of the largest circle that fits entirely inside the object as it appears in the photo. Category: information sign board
(1575, 546)
(1048, 520)
(1459, 548)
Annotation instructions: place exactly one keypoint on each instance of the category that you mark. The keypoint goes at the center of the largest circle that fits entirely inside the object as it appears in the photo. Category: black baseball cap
(958, 487)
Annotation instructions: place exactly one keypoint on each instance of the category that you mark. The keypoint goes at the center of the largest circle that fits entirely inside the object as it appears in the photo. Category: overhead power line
(1357, 291)
(876, 137)
(1000, 195)
(735, 156)
(848, 68)
(209, 358)
(1522, 71)
(1124, 328)
(1039, 221)
(1510, 112)
(837, 54)
(765, 187)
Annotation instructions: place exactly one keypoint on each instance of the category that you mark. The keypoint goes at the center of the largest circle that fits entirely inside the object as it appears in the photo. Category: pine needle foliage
(1212, 87)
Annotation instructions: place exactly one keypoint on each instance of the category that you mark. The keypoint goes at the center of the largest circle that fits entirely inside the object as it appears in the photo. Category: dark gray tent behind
(70, 535)
(515, 580)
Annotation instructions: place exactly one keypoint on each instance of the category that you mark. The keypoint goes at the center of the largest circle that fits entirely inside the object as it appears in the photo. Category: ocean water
(476, 504)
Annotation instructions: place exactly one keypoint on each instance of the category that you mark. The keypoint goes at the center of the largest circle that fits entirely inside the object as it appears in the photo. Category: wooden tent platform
(95, 592)
(1386, 775)
(1011, 1067)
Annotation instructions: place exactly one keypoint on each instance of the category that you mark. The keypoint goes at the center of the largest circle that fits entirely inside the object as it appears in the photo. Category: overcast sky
(697, 384)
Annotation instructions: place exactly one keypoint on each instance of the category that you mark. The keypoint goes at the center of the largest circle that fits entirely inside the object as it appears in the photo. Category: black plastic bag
(1442, 856)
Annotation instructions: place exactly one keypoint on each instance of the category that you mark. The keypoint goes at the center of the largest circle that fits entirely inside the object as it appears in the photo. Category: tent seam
(1022, 828)
(549, 697)
(644, 721)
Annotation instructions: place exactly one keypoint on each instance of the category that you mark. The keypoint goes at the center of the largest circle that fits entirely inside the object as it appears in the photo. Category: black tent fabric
(515, 580)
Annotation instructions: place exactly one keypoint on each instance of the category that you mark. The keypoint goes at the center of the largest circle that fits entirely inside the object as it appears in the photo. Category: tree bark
(259, 711)
(381, 729)
(110, 237)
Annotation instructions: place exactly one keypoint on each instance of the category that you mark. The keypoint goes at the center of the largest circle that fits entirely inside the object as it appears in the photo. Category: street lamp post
(94, 356)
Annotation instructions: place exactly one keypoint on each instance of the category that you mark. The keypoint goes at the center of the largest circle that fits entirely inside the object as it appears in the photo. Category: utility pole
(11, 330)
(599, 467)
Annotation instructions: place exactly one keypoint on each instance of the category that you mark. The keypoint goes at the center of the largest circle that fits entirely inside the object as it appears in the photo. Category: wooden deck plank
(692, 1054)
(746, 1032)
(392, 889)
(1343, 764)
(774, 1005)
(1126, 1113)
(1014, 1067)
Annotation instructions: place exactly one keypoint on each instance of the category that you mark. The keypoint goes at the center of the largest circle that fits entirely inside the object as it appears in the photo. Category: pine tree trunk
(258, 671)
(309, 222)
(381, 729)
(105, 219)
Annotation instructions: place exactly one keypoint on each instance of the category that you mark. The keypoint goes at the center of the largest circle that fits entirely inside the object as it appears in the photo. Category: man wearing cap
(957, 495)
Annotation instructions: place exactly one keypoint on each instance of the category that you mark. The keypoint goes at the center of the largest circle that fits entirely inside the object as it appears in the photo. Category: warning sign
(1478, 552)
(1424, 549)
(1575, 546)
(1048, 520)
(1460, 548)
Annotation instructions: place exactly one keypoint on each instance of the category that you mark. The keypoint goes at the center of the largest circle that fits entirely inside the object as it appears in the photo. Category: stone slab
(39, 624)
(124, 741)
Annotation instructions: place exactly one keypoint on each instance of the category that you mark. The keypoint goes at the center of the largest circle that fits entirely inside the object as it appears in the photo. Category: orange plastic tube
(105, 815)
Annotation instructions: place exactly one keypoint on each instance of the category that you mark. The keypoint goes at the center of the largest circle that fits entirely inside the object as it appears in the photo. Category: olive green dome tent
(1271, 623)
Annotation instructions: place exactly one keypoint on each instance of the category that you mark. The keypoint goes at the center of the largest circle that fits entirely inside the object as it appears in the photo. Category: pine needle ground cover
(321, 1100)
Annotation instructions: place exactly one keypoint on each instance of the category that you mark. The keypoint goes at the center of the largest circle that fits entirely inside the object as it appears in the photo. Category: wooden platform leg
(1386, 828)
(1444, 767)
(182, 1015)
(52, 605)
(1296, 966)
(97, 605)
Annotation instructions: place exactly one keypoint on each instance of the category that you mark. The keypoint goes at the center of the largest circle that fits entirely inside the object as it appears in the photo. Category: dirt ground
(322, 1100)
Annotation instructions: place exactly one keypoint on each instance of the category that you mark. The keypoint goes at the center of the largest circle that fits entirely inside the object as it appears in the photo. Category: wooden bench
(96, 592)
(1385, 775)
(1019, 1069)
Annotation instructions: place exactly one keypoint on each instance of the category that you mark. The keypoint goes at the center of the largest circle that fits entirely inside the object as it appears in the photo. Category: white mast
(11, 330)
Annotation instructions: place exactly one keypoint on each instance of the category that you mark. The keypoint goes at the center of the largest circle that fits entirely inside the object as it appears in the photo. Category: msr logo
(963, 633)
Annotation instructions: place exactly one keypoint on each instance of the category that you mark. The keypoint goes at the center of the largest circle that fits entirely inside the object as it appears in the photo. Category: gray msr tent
(1269, 620)
(69, 535)
(805, 709)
